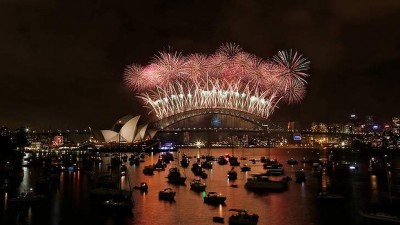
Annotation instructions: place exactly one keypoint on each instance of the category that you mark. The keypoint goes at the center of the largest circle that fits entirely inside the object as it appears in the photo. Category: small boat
(185, 162)
(175, 176)
(167, 194)
(292, 161)
(206, 165)
(241, 217)
(214, 199)
(324, 195)
(143, 187)
(218, 219)
(380, 216)
(300, 176)
(275, 170)
(29, 196)
(233, 161)
(118, 203)
(263, 183)
(222, 161)
(148, 170)
(245, 168)
(232, 174)
(196, 185)
(160, 165)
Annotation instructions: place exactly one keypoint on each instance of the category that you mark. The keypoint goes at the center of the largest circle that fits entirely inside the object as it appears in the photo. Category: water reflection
(70, 202)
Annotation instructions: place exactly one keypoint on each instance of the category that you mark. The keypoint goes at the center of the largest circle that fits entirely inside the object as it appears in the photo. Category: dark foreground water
(70, 202)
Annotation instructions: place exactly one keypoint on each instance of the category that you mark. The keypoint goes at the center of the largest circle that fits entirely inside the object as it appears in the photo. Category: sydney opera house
(126, 130)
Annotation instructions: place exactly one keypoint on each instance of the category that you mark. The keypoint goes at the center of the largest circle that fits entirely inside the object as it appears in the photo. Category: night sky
(62, 62)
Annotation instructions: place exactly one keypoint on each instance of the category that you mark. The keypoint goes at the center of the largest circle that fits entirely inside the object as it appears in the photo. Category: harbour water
(70, 202)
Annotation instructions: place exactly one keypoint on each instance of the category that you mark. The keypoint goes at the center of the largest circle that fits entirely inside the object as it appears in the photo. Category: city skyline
(62, 65)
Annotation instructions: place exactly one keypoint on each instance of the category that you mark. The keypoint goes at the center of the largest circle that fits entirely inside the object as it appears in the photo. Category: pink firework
(230, 78)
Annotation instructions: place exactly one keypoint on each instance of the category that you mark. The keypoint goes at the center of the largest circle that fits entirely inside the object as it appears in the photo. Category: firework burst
(230, 78)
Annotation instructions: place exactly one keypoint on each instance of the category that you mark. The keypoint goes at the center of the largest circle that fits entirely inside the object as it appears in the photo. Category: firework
(230, 79)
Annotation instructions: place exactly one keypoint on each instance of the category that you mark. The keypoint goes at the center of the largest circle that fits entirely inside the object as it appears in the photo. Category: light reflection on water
(70, 202)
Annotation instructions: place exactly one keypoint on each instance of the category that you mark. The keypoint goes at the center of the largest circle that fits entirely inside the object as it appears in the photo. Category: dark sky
(61, 62)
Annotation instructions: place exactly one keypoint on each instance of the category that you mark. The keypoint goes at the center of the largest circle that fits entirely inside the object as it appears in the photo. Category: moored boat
(218, 219)
(245, 168)
(300, 176)
(175, 176)
(292, 161)
(29, 196)
(196, 185)
(214, 198)
(263, 183)
(167, 194)
(143, 187)
(148, 170)
(118, 203)
(232, 174)
(241, 217)
(380, 217)
(324, 195)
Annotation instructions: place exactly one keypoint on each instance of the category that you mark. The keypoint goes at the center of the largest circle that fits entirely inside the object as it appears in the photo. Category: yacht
(263, 183)
(167, 194)
(241, 217)
(175, 176)
(380, 216)
(300, 176)
(28, 196)
(214, 198)
(196, 185)
(118, 203)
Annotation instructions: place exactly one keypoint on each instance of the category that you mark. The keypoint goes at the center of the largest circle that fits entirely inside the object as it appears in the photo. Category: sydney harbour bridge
(227, 91)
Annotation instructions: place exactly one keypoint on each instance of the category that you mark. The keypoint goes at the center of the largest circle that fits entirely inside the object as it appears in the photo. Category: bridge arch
(251, 121)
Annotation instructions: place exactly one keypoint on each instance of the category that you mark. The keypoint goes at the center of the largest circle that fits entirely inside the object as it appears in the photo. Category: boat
(245, 168)
(175, 176)
(275, 170)
(222, 160)
(263, 183)
(167, 194)
(160, 165)
(218, 219)
(325, 195)
(28, 196)
(382, 213)
(380, 217)
(232, 174)
(196, 185)
(241, 217)
(143, 187)
(118, 203)
(185, 162)
(233, 161)
(292, 161)
(148, 170)
(300, 176)
(206, 165)
(214, 198)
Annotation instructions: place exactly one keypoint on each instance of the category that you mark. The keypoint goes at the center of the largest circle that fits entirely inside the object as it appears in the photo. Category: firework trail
(230, 78)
